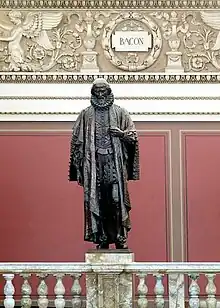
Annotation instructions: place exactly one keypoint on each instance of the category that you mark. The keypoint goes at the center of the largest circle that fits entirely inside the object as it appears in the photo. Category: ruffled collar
(102, 103)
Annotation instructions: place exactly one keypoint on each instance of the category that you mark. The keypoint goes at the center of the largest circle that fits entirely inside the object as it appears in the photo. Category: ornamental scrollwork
(202, 43)
(90, 25)
(34, 42)
(174, 26)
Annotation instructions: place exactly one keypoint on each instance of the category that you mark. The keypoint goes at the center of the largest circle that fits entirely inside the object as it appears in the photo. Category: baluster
(42, 291)
(194, 290)
(9, 291)
(59, 291)
(176, 290)
(159, 291)
(203, 304)
(26, 292)
(142, 290)
(76, 291)
(211, 291)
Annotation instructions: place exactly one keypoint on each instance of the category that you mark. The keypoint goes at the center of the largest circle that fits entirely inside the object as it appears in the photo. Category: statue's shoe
(102, 246)
(121, 246)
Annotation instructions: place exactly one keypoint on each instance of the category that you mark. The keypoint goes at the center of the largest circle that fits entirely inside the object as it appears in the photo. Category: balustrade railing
(180, 279)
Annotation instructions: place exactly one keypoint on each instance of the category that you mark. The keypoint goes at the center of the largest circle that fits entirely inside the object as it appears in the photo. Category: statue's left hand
(116, 132)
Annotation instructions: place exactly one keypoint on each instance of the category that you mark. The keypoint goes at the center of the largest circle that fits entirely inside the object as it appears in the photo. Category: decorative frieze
(179, 44)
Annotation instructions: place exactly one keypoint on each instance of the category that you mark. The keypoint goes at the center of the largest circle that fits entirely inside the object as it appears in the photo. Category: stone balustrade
(182, 280)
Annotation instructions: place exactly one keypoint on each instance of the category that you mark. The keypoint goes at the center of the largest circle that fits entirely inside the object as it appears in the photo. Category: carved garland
(149, 59)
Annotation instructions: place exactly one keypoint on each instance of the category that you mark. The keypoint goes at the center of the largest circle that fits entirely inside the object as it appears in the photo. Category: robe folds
(83, 167)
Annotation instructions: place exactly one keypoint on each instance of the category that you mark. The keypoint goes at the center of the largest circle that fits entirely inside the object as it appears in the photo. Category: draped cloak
(82, 167)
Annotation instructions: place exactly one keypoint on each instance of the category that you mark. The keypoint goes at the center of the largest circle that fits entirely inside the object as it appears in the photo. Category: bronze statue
(104, 155)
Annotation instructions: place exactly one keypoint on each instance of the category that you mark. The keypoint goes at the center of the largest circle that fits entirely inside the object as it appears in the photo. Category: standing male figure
(104, 155)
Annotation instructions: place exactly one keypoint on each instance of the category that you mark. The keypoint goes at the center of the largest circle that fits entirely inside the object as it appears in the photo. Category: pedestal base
(174, 62)
(109, 289)
(89, 62)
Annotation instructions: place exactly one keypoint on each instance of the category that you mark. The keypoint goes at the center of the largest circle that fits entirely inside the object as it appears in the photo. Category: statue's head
(100, 88)
(15, 17)
(101, 93)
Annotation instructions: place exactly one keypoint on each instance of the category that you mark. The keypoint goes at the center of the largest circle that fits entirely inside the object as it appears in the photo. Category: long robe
(82, 166)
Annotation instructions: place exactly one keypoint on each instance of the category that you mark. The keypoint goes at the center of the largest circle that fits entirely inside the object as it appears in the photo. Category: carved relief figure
(34, 26)
(104, 156)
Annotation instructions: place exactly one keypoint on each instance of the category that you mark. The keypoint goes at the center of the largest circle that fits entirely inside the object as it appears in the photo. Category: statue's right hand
(116, 132)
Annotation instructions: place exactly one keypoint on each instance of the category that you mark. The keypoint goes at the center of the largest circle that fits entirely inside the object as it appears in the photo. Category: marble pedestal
(111, 288)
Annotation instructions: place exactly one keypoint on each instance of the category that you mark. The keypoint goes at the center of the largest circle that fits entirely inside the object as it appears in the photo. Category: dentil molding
(111, 4)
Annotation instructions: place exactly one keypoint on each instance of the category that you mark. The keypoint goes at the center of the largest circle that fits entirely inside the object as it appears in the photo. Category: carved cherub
(33, 26)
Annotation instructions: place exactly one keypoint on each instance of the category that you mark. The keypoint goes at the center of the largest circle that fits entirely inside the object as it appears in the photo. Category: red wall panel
(148, 238)
(42, 213)
(202, 195)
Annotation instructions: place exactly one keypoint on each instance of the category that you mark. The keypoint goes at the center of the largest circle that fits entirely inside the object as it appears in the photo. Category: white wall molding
(145, 102)
(120, 90)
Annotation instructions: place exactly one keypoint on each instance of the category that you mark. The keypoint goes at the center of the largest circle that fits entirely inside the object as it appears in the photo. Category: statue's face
(102, 96)
(100, 90)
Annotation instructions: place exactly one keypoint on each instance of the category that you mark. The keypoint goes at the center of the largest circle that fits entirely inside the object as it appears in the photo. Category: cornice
(111, 78)
(110, 4)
